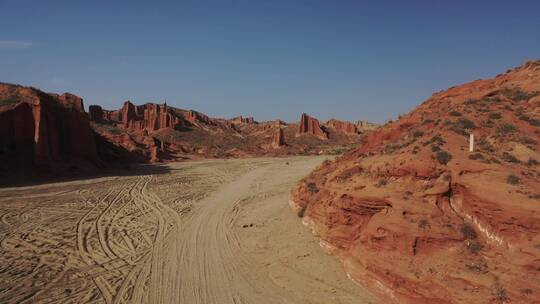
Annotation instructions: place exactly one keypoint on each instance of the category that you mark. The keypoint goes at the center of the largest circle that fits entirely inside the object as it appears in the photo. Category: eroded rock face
(311, 126)
(346, 127)
(417, 218)
(44, 131)
(245, 120)
(279, 139)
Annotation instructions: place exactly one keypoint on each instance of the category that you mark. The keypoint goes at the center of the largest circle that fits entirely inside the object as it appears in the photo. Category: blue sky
(368, 60)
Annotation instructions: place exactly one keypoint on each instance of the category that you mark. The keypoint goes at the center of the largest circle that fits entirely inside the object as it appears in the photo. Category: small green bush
(468, 232)
(513, 180)
(506, 128)
(495, 116)
(312, 188)
(418, 133)
(476, 156)
(443, 157)
(509, 158)
(455, 113)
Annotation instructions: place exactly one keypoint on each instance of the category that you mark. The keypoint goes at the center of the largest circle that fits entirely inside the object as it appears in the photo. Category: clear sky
(368, 60)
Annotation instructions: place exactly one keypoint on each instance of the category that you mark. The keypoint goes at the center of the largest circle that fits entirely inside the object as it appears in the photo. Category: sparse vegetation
(454, 113)
(474, 247)
(506, 128)
(509, 158)
(382, 182)
(423, 224)
(517, 94)
(312, 188)
(513, 180)
(495, 116)
(418, 133)
(532, 162)
(462, 125)
(500, 294)
(443, 157)
(468, 232)
(476, 156)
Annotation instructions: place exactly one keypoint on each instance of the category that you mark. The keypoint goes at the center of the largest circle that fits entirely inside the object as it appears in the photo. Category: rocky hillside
(417, 218)
(159, 133)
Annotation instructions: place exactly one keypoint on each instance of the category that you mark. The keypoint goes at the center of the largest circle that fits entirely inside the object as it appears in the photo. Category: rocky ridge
(418, 218)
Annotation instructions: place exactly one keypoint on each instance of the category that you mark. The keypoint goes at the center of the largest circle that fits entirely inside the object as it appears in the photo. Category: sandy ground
(199, 232)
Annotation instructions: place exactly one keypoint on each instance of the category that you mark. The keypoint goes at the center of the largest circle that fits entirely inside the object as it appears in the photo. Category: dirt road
(200, 232)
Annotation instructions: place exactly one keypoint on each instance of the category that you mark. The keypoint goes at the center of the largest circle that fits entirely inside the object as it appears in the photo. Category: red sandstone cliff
(311, 126)
(417, 218)
(43, 131)
(279, 139)
(346, 127)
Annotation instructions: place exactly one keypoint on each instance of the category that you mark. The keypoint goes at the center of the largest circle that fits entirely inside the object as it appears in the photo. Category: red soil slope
(417, 218)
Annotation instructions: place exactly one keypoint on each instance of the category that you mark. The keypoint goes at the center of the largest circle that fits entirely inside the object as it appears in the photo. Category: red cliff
(45, 131)
(311, 126)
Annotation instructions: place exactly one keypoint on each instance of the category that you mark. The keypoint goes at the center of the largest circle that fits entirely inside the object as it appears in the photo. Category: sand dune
(199, 232)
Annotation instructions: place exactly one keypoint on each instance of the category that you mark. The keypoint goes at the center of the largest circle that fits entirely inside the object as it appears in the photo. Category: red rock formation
(195, 118)
(340, 126)
(96, 113)
(310, 125)
(417, 218)
(279, 139)
(240, 120)
(45, 130)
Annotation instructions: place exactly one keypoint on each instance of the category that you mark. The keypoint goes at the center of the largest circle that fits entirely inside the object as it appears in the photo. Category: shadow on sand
(77, 175)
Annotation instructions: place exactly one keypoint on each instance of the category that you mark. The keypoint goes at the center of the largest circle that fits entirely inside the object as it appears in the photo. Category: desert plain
(214, 231)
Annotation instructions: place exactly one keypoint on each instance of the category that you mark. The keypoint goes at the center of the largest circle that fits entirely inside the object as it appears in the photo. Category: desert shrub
(532, 121)
(423, 224)
(509, 158)
(382, 182)
(468, 232)
(485, 145)
(506, 128)
(513, 180)
(436, 140)
(443, 157)
(532, 162)
(471, 102)
(474, 247)
(535, 196)
(462, 125)
(528, 141)
(500, 294)
(466, 123)
(517, 94)
(418, 133)
(435, 148)
(427, 121)
(454, 113)
(495, 116)
(476, 156)
(312, 188)
(416, 149)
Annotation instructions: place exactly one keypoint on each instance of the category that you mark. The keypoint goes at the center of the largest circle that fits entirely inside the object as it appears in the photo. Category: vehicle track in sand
(206, 232)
